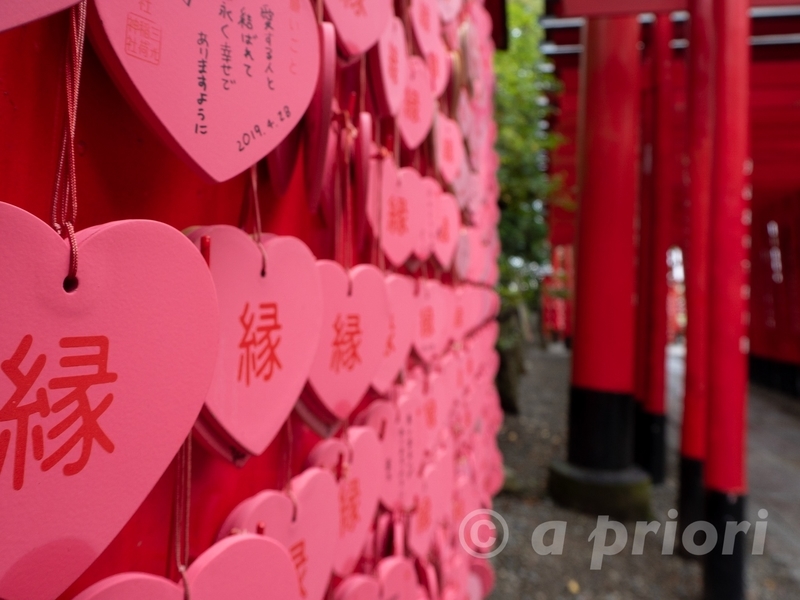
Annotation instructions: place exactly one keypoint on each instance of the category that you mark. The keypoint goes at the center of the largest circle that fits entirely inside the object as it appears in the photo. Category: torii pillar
(599, 475)
(728, 297)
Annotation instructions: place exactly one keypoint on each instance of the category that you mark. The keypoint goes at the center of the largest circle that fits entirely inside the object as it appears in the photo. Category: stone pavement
(531, 440)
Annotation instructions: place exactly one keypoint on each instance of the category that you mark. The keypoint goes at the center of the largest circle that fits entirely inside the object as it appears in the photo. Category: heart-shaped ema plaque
(270, 317)
(446, 225)
(416, 112)
(449, 147)
(355, 323)
(224, 83)
(99, 387)
(395, 579)
(388, 61)
(425, 23)
(401, 212)
(400, 292)
(358, 23)
(304, 520)
(245, 567)
(356, 463)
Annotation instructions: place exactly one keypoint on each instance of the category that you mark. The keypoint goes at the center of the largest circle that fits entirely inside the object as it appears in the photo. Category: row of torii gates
(617, 400)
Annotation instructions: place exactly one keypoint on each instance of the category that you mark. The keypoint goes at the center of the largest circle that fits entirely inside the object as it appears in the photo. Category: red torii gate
(606, 8)
(601, 419)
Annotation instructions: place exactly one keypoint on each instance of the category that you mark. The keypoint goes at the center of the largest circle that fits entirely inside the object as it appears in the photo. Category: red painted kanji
(357, 6)
(300, 560)
(346, 343)
(398, 215)
(78, 383)
(426, 326)
(259, 343)
(349, 501)
(411, 105)
(390, 347)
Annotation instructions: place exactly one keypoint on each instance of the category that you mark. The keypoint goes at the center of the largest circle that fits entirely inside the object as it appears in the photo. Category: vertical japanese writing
(82, 420)
(300, 560)
(200, 127)
(226, 52)
(259, 343)
(390, 348)
(458, 318)
(426, 326)
(294, 27)
(411, 105)
(268, 16)
(443, 234)
(394, 64)
(424, 519)
(248, 38)
(429, 412)
(425, 16)
(349, 505)
(346, 343)
(448, 150)
(357, 6)
(397, 217)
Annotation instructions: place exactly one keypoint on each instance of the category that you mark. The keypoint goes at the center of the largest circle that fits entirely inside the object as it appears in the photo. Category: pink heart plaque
(304, 520)
(416, 113)
(449, 145)
(269, 327)
(358, 587)
(400, 292)
(449, 9)
(358, 23)
(223, 83)
(382, 416)
(388, 62)
(446, 224)
(426, 205)
(439, 65)
(397, 577)
(245, 567)
(425, 23)
(355, 323)
(15, 13)
(411, 443)
(400, 216)
(430, 320)
(356, 461)
(428, 512)
(99, 386)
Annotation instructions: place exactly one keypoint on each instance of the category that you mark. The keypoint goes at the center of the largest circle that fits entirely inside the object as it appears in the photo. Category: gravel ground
(529, 443)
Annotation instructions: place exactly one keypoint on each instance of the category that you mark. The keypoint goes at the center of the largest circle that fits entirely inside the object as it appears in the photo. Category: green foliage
(522, 106)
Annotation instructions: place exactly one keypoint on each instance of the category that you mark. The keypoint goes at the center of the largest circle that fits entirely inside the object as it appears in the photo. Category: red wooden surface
(729, 266)
(693, 434)
(124, 172)
(663, 178)
(603, 352)
(579, 8)
(775, 146)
